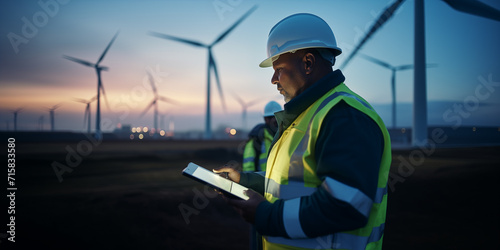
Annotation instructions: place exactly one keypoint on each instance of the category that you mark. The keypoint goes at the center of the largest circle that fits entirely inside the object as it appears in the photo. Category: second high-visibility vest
(257, 161)
(291, 173)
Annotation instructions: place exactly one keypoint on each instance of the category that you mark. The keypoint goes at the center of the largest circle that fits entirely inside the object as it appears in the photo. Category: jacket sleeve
(348, 155)
(253, 180)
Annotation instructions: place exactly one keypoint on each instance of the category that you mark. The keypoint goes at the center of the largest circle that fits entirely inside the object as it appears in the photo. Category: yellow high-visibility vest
(249, 153)
(291, 173)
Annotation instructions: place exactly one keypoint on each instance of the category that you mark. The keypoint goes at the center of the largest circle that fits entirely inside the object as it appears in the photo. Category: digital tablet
(228, 187)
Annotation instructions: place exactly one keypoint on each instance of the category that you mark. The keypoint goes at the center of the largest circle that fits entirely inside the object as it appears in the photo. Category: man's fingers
(222, 169)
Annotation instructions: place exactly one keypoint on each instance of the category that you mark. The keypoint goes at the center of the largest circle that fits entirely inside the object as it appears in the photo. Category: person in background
(260, 139)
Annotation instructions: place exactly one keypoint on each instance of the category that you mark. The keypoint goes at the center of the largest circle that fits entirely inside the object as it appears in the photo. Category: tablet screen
(213, 179)
(206, 176)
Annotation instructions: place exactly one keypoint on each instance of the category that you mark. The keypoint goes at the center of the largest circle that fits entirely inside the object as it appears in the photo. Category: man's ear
(309, 62)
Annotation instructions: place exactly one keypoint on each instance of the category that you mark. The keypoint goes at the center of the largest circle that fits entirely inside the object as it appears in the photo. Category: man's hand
(233, 174)
(247, 208)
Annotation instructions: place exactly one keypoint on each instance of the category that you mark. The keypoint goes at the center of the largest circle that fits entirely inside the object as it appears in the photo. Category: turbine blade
(219, 87)
(234, 25)
(56, 106)
(167, 100)
(404, 67)
(238, 99)
(105, 97)
(147, 108)
(86, 115)
(79, 61)
(386, 15)
(474, 7)
(152, 82)
(80, 100)
(377, 61)
(253, 102)
(107, 48)
(182, 40)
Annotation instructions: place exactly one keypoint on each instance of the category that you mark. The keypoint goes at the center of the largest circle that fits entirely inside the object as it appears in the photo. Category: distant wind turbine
(52, 115)
(87, 114)
(244, 107)
(15, 112)
(154, 103)
(394, 69)
(473, 7)
(211, 65)
(98, 69)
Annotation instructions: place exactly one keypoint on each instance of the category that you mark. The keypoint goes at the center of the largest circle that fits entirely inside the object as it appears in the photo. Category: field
(129, 195)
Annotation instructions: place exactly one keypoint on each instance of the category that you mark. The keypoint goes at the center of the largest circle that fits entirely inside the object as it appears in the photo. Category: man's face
(289, 75)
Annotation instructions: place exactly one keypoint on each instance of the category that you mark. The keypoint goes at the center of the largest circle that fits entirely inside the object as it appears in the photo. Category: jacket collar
(297, 105)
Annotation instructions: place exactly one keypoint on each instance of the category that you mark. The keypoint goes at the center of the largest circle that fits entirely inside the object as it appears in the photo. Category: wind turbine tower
(52, 116)
(98, 69)
(15, 112)
(473, 7)
(87, 114)
(211, 65)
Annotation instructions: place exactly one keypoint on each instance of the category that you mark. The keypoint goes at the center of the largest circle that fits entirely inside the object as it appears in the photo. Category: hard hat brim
(268, 62)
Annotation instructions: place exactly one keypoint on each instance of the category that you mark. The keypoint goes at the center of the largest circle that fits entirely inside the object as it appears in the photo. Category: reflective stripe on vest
(299, 179)
(249, 154)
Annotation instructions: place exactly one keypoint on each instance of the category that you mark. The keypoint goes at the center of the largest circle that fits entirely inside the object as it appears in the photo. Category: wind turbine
(474, 7)
(244, 107)
(98, 69)
(394, 69)
(15, 112)
(211, 65)
(52, 115)
(154, 103)
(86, 116)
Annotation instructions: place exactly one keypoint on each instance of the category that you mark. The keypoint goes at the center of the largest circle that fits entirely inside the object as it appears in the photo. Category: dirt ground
(129, 195)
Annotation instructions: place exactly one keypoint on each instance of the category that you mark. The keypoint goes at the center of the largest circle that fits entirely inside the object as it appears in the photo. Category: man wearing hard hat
(260, 139)
(325, 185)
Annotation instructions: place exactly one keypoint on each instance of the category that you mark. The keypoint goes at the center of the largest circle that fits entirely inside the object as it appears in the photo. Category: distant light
(162, 132)
(131, 136)
(474, 129)
(133, 129)
(141, 136)
(145, 129)
(119, 125)
(403, 130)
(232, 131)
(138, 129)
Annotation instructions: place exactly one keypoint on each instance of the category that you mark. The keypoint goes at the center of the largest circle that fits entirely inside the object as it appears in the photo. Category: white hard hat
(271, 108)
(299, 31)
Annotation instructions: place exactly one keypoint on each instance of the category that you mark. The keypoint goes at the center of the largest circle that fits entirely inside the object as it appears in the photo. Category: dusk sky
(35, 76)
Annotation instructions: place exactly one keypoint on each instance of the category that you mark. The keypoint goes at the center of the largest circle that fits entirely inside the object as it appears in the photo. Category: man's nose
(274, 79)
